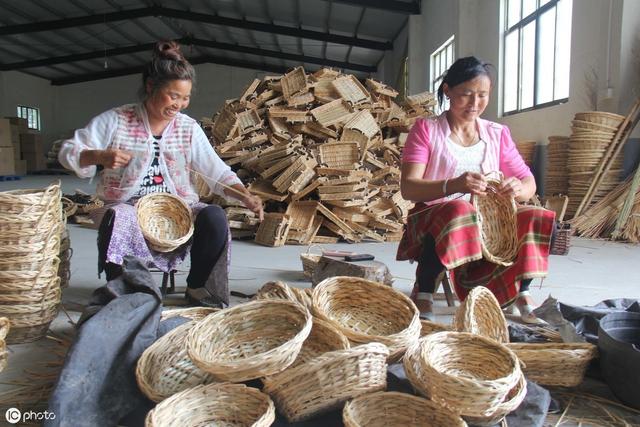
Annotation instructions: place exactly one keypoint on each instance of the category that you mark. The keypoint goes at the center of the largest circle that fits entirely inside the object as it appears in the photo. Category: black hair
(167, 64)
(463, 70)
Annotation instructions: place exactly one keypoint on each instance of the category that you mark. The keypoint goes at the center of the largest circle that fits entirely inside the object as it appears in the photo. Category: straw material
(4, 354)
(366, 311)
(165, 368)
(165, 221)
(214, 405)
(469, 374)
(555, 364)
(498, 225)
(387, 409)
(250, 340)
(481, 314)
(327, 381)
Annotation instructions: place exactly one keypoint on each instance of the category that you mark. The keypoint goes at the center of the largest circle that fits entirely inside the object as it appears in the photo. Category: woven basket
(165, 369)
(498, 225)
(280, 290)
(24, 201)
(366, 311)
(555, 364)
(471, 375)
(165, 221)
(193, 313)
(427, 327)
(250, 340)
(511, 402)
(214, 405)
(326, 382)
(480, 314)
(562, 241)
(4, 354)
(601, 117)
(387, 409)
(309, 261)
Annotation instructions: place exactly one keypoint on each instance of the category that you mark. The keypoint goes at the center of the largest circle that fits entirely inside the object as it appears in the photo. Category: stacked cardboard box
(21, 149)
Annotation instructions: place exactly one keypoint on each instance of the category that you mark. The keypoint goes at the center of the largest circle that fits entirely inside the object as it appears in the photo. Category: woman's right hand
(471, 182)
(114, 159)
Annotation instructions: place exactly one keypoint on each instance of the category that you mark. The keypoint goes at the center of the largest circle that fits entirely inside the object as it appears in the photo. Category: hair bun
(168, 50)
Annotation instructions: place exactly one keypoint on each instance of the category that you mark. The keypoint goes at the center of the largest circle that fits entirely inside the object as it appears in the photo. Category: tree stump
(371, 270)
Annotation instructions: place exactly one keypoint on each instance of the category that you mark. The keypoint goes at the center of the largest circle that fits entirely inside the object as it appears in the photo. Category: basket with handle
(366, 311)
(250, 340)
(214, 404)
(498, 224)
(165, 221)
(310, 261)
(480, 314)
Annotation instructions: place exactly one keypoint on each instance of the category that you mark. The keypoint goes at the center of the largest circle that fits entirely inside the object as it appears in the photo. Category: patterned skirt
(455, 229)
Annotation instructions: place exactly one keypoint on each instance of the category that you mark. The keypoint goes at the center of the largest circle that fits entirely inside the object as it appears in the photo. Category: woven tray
(555, 364)
(165, 221)
(327, 381)
(214, 405)
(480, 314)
(250, 340)
(387, 409)
(366, 311)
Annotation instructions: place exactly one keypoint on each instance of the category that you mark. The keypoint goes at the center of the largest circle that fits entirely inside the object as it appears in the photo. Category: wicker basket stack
(31, 224)
(4, 330)
(556, 180)
(527, 150)
(592, 134)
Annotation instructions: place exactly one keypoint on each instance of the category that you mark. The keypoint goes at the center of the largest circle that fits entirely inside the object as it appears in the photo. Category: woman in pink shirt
(445, 161)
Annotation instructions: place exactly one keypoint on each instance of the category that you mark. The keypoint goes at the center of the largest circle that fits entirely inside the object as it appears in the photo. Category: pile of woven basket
(31, 224)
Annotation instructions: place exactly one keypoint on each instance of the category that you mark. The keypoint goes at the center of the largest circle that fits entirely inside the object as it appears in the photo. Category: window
(441, 60)
(537, 45)
(32, 115)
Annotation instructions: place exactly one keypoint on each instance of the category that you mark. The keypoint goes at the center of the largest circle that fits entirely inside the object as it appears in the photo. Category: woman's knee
(212, 218)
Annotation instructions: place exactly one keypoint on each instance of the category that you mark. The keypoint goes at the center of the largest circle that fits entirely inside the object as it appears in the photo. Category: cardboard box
(31, 143)
(7, 165)
(17, 151)
(35, 161)
(15, 134)
(5, 133)
(21, 167)
(22, 124)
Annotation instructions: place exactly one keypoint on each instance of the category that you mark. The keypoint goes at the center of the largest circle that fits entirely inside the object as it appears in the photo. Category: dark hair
(167, 64)
(463, 70)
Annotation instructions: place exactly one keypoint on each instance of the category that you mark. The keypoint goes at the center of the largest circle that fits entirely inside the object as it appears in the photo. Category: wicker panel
(381, 88)
(248, 121)
(333, 113)
(351, 90)
(302, 215)
(273, 229)
(364, 122)
(294, 82)
(342, 155)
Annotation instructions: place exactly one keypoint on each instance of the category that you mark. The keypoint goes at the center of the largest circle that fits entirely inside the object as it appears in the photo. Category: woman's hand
(114, 159)
(470, 182)
(511, 187)
(254, 203)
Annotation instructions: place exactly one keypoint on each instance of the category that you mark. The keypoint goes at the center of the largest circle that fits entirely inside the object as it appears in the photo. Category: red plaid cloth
(454, 227)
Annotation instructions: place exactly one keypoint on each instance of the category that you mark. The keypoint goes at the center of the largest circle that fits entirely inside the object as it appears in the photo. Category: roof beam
(136, 70)
(187, 41)
(194, 16)
(407, 8)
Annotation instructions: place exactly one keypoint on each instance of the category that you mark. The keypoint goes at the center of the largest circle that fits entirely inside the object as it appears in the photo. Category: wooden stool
(443, 280)
(168, 278)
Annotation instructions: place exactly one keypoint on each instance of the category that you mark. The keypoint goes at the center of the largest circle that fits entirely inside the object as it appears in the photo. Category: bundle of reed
(600, 219)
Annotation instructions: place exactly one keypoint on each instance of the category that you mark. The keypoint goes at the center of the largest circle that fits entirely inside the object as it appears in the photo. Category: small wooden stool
(443, 280)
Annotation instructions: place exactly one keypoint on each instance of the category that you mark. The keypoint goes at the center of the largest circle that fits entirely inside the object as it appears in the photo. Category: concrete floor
(594, 270)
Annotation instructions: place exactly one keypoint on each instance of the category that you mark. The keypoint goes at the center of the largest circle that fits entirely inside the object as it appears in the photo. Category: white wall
(390, 67)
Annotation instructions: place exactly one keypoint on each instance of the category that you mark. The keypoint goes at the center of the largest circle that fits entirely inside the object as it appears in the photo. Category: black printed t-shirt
(153, 181)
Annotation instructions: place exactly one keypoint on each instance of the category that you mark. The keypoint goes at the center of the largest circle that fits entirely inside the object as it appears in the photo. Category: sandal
(526, 310)
(201, 297)
(424, 303)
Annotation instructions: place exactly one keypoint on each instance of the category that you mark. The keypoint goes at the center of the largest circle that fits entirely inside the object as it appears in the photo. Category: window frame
(518, 26)
(435, 56)
(23, 109)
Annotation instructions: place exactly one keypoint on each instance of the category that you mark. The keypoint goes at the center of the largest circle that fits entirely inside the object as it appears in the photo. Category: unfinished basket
(326, 382)
(250, 340)
(309, 261)
(366, 311)
(385, 409)
(165, 368)
(498, 225)
(555, 364)
(469, 374)
(4, 330)
(165, 221)
(193, 313)
(480, 314)
(214, 405)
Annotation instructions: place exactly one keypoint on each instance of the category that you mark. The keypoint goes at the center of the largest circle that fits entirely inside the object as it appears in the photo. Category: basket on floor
(326, 382)
(214, 404)
(555, 364)
(250, 340)
(280, 290)
(4, 330)
(480, 314)
(498, 224)
(309, 261)
(165, 368)
(391, 408)
(562, 240)
(165, 221)
(28, 200)
(366, 311)
(471, 375)
(193, 313)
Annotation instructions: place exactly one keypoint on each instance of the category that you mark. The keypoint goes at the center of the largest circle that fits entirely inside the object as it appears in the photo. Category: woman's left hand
(254, 203)
(511, 187)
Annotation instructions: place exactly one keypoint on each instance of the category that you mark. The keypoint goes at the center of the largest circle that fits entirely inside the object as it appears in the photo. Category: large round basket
(165, 221)
(193, 313)
(165, 368)
(4, 330)
(25, 201)
(214, 405)
(250, 340)
(427, 327)
(480, 314)
(471, 375)
(555, 364)
(280, 290)
(366, 311)
(326, 382)
(498, 225)
(386, 409)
